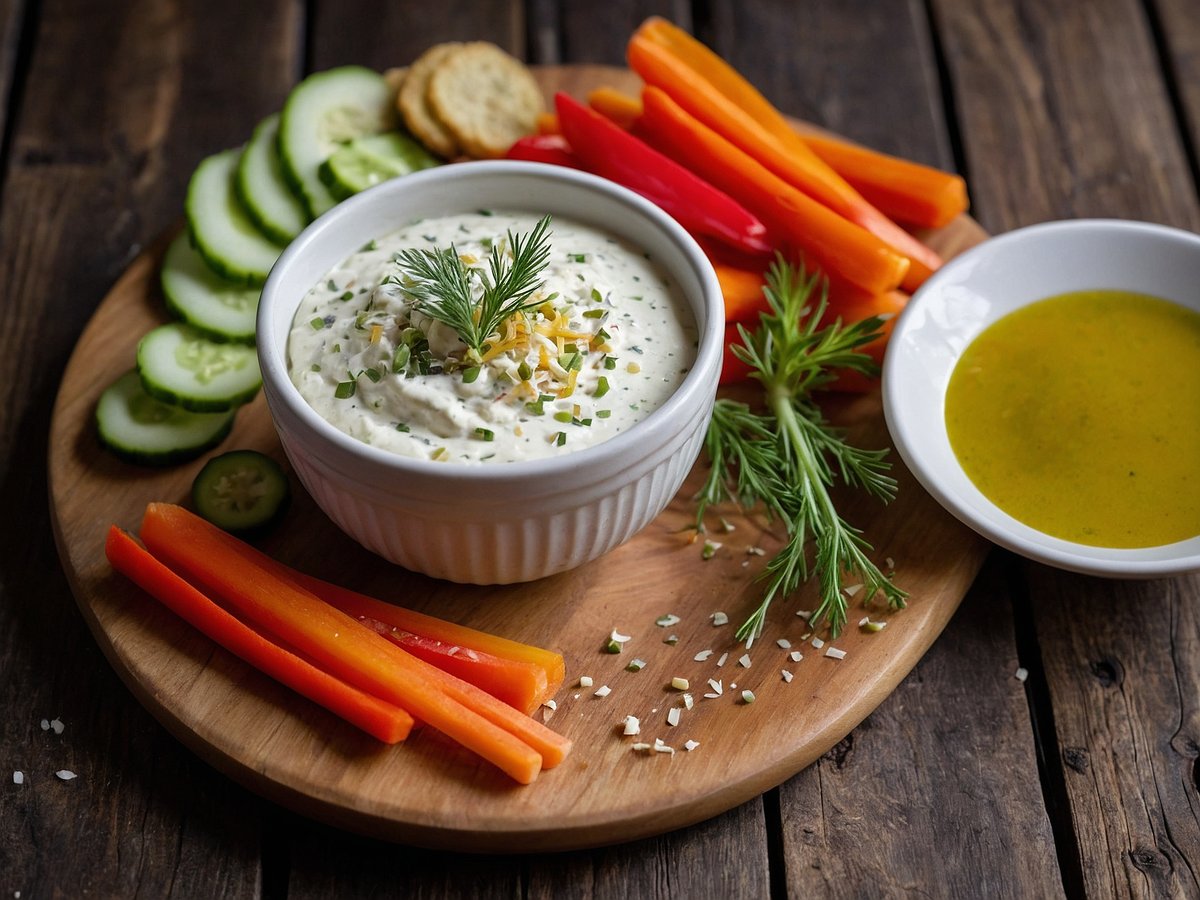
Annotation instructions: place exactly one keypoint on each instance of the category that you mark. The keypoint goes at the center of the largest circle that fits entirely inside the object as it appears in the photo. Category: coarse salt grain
(661, 747)
(721, 659)
(45, 724)
(756, 551)
(1021, 674)
(688, 702)
(784, 643)
(835, 652)
(818, 643)
(57, 726)
(673, 716)
(65, 774)
(18, 777)
(717, 687)
(680, 684)
(719, 618)
(744, 662)
(632, 725)
(585, 681)
(852, 589)
(603, 691)
(795, 656)
(787, 676)
(702, 655)
(689, 746)
(805, 614)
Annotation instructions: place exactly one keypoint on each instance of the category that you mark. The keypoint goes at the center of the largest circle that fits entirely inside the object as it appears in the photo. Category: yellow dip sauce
(1079, 415)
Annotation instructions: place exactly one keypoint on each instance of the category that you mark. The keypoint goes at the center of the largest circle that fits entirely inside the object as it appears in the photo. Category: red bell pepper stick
(545, 148)
(606, 150)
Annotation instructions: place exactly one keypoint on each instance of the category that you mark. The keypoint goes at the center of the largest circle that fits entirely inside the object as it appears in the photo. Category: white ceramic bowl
(492, 524)
(977, 288)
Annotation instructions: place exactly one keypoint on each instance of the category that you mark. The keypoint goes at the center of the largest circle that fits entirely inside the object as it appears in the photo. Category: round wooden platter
(429, 792)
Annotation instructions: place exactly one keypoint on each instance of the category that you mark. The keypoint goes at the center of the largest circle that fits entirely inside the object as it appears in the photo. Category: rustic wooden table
(965, 782)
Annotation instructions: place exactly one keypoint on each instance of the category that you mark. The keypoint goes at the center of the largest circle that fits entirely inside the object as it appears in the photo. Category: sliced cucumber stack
(220, 309)
(322, 112)
(367, 161)
(264, 191)
(221, 230)
(140, 429)
(180, 365)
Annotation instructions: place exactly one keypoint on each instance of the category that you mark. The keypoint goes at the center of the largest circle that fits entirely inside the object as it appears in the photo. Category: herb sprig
(443, 285)
(786, 455)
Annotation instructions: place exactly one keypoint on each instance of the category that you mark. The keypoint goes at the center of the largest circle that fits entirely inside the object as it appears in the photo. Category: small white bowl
(510, 522)
(974, 290)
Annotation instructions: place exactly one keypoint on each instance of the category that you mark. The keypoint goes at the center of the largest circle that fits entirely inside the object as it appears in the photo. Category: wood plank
(1123, 663)
(1052, 127)
(97, 167)
(1123, 748)
(12, 18)
(1179, 40)
(921, 797)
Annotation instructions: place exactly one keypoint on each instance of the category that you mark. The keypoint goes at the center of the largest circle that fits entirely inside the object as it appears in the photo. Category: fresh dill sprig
(785, 456)
(443, 285)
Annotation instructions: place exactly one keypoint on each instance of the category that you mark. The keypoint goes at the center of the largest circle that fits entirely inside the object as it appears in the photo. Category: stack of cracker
(468, 99)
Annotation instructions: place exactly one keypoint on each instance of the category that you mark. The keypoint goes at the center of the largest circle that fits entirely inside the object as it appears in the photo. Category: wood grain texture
(1052, 128)
(430, 793)
(1180, 45)
(113, 112)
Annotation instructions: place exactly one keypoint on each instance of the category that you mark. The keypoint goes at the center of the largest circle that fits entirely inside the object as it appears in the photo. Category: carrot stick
(616, 106)
(203, 553)
(547, 123)
(831, 242)
(672, 60)
(385, 721)
(904, 190)
(742, 291)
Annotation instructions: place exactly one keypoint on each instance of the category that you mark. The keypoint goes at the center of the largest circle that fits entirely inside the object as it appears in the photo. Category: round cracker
(485, 98)
(414, 108)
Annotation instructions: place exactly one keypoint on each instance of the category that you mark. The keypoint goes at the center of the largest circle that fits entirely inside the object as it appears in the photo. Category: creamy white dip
(611, 341)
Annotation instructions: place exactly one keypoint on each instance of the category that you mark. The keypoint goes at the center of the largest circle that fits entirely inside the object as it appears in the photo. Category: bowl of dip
(539, 446)
(1044, 387)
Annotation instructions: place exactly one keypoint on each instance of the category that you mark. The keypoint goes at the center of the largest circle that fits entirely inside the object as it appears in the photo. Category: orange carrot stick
(904, 190)
(204, 554)
(694, 77)
(385, 721)
(362, 606)
(831, 242)
(742, 291)
(547, 123)
(616, 106)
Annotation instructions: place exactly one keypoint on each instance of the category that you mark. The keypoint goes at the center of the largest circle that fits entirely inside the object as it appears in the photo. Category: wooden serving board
(429, 792)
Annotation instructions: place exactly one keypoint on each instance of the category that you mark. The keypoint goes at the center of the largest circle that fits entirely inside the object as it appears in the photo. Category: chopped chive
(345, 390)
(601, 387)
(563, 416)
(560, 439)
(524, 371)
(602, 335)
(597, 297)
(595, 313)
(331, 284)
(536, 408)
(469, 375)
(603, 413)
(400, 358)
(317, 323)
(374, 375)
(368, 246)
(612, 646)
(400, 426)
(610, 362)
(316, 367)
(485, 212)
(577, 257)
(485, 434)
(544, 397)
(349, 295)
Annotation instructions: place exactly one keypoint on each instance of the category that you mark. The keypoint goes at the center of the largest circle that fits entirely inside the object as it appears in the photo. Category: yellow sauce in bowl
(1079, 415)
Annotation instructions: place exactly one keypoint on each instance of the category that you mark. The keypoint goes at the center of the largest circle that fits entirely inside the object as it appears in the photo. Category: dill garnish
(785, 456)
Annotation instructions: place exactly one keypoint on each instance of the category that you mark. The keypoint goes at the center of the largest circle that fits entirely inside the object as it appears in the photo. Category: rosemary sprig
(785, 456)
(444, 286)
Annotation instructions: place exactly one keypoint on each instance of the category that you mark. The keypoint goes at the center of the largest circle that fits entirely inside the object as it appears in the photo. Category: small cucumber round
(322, 112)
(367, 161)
(180, 365)
(221, 231)
(219, 309)
(142, 430)
(242, 491)
(264, 191)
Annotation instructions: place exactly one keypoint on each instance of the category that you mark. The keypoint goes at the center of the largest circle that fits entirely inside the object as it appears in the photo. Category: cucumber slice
(219, 309)
(242, 492)
(140, 429)
(322, 112)
(270, 202)
(221, 231)
(180, 365)
(367, 161)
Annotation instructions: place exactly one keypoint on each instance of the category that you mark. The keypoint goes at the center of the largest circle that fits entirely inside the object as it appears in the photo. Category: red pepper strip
(545, 148)
(606, 150)
(385, 721)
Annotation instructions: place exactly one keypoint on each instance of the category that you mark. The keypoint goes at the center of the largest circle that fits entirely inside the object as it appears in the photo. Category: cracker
(418, 117)
(485, 98)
